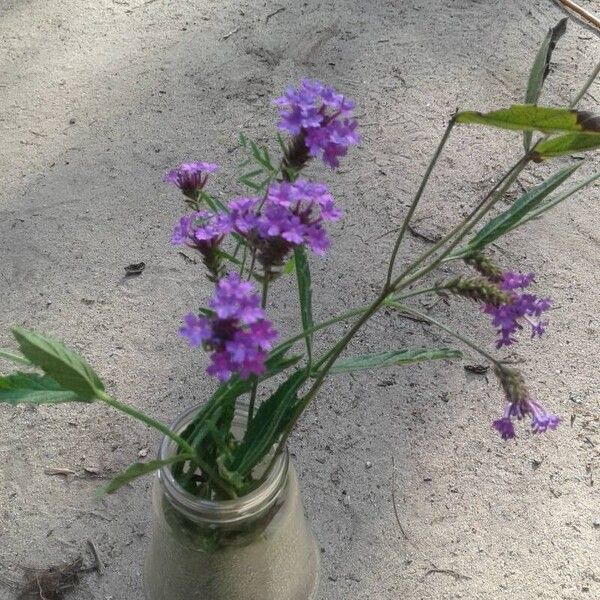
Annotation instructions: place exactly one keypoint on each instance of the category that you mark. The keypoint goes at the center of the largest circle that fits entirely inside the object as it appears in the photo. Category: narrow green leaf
(69, 369)
(304, 294)
(20, 360)
(252, 174)
(269, 422)
(534, 214)
(540, 69)
(138, 470)
(510, 218)
(526, 117)
(571, 143)
(32, 388)
(393, 358)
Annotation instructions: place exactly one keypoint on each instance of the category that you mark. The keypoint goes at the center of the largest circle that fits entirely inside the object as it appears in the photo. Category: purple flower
(190, 177)
(519, 405)
(238, 334)
(522, 307)
(322, 117)
(292, 214)
(201, 230)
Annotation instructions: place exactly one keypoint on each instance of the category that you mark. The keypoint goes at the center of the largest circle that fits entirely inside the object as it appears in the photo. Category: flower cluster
(292, 214)
(190, 178)
(508, 316)
(519, 404)
(237, 333)
(319, 117)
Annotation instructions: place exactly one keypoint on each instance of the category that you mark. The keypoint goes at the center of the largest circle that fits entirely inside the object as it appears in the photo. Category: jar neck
(222, 512)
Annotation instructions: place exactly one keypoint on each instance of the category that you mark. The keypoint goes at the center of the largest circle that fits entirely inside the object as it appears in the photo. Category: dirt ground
(98, 99)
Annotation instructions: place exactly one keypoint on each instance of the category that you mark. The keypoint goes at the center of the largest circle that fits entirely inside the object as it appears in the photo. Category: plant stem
(586, 86)
(461, 230)
(263, 303)
(416, 199)
(132, 412)
(455, 334)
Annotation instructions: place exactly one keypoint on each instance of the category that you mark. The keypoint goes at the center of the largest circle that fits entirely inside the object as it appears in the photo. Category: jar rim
(220, 511)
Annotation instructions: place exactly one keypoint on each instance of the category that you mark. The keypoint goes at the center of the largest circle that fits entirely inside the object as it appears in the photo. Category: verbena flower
(508, 317)
(520, 404)
(204, 232)
(190, 177)
(237, 333)
(292, 214)
(321, 121)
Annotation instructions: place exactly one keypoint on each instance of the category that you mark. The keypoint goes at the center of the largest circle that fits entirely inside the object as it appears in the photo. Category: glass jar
(257, 547)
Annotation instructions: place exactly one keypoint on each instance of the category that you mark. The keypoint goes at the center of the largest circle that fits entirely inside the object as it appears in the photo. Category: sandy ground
(99, 98)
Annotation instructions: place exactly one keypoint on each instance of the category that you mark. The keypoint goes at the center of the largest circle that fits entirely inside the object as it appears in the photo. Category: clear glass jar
(257, 547)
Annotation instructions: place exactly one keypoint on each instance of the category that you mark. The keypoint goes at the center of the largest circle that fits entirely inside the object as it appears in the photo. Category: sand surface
(98, 99)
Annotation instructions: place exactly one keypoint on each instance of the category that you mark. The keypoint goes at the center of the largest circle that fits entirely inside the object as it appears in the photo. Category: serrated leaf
(540, 69)
(570, 143)
(32, 388)
(69, 369)
(269, 422)
(304, 294)
(510, 218)
(393, 358)
(527, 117)
(138, 470)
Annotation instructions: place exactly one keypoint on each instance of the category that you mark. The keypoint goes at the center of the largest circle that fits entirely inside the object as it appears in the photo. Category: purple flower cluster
(292, 214)
(507, 317)
(201, 230)
(190, 177)
(238, 334)
(519, 404)
(323, 118)
(541, 419)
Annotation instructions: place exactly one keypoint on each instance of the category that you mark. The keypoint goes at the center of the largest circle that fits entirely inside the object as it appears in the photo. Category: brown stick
(588, 16)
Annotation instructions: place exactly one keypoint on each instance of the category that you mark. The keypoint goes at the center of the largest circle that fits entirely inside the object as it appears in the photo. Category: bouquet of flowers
(249, 244)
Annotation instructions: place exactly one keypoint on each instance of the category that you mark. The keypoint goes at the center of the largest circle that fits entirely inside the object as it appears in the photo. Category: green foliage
(519, 209)
(269, 422)
(540, 69)
(527, 117)
(138, 470)
(32, 388)
(15, 358)
(70, 370)
(566, 144)
(393, 358)
(259, 177)
(304, 294)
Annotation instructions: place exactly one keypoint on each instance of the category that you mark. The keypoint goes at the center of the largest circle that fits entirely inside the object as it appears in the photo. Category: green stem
(416, 199)
(455, 334)
(586, 86)
(136, 414)
(263, 303)
(460, 231)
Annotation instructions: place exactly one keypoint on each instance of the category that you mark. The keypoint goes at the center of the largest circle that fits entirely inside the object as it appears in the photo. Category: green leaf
(32, 388)
(269, 422)
(20, 360)
(566, 144)
(290, 266)
(393, 358)
(527, 117)
(510, 218)
(305, 295)
(554, 201)
(138, 470)
(58, 362)
(540, 69)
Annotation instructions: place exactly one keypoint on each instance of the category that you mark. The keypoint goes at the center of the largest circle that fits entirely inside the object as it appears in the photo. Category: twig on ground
(457, 576)
(275, 12)
(99, 566)
(394, 499)
(228, 35)
(581, 12)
